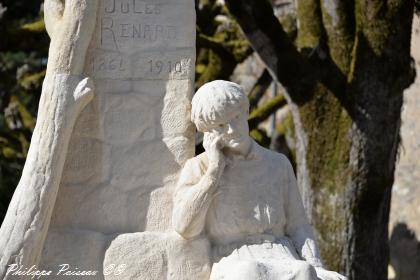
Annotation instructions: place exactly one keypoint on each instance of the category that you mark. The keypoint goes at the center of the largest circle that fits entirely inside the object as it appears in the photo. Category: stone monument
(126, 147)
(111, 188)
(237, 212)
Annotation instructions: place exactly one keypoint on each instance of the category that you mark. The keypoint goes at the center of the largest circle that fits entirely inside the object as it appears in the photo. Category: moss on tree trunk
(326, 125)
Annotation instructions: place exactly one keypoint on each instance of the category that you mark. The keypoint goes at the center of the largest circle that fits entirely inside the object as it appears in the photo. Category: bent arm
(192, 199)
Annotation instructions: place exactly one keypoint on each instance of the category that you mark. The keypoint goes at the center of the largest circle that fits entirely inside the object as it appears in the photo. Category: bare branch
(264, 111)
(259, 89)
(210, 42)
(340, 27)
(270, 41)
(310, 30)
(316, 32)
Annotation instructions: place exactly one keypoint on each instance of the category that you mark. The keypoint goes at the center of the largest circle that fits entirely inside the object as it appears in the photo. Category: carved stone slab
(128, 144)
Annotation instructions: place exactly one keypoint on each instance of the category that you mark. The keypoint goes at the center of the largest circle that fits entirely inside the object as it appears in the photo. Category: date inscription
(109, 64)
(173, 65)
(159, 66)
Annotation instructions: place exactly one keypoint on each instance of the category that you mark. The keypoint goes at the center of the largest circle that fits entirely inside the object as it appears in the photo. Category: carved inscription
(173, 65)
(134, 20)
(139, 39)
(150, 65)
(109, 63)
(139, 31)
(159, 66)
(131, 6)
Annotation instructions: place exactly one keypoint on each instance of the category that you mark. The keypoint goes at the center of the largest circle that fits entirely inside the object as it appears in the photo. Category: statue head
(221, 108)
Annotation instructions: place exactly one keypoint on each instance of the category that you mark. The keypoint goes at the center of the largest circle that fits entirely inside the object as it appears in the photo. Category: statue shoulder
(275, 159)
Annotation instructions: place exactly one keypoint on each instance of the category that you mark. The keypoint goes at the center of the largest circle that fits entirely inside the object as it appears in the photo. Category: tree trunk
(344, 83)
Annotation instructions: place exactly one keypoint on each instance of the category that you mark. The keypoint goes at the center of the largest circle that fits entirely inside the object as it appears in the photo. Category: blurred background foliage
(23, 56)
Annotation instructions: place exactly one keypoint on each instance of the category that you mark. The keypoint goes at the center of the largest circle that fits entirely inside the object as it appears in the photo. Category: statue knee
(188, 259)
(249, 269)
(236, 270)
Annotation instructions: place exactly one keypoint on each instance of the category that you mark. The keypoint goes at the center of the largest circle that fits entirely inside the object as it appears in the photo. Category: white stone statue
(101, 169)
(237, 213)
(243, 197)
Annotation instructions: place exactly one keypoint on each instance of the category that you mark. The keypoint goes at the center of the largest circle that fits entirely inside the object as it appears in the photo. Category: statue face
(234, 133)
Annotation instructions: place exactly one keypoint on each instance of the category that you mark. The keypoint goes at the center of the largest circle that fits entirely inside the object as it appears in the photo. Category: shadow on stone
(404, 253)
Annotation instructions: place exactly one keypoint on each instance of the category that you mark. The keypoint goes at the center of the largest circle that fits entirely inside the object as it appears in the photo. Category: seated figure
(243, 198)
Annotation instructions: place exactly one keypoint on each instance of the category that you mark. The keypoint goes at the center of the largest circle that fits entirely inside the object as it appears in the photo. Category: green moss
(376, 21)
(27, 119)
(37, 26)
(351, 72)
(289, 25)
(8, 152)
(310, 23)
(330, 218)
(260, 136)
(265, 110)
(287, 129)
(339, 26)
(212, 71)
(232, 39)
(240, 49)
(327, 126)
(200, 68)
(369, 49)
(286, 126)
(32, 80)
(221, 47)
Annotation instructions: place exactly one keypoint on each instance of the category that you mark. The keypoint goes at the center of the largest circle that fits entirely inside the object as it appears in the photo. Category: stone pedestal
(131, 141)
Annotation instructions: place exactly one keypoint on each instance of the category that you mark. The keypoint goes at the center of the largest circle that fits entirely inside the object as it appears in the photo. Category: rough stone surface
(131, 140)
(84, 251)
(64, 96)
(155, 256)
(126, 147)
